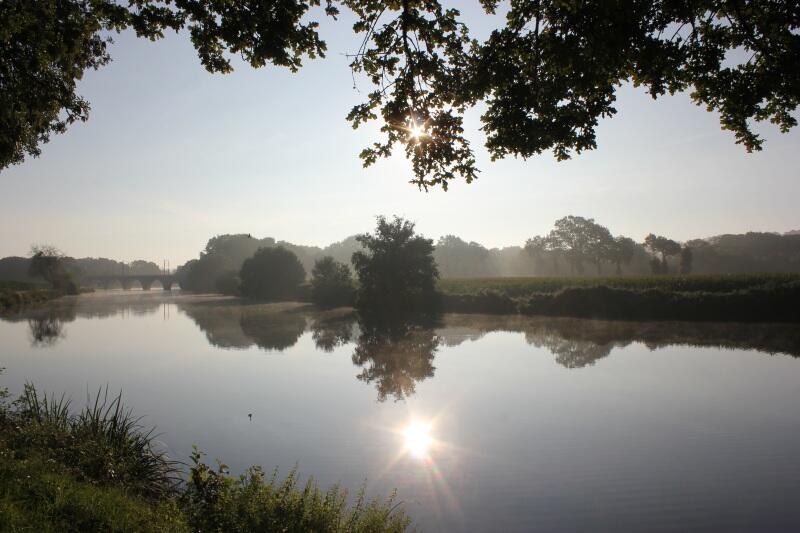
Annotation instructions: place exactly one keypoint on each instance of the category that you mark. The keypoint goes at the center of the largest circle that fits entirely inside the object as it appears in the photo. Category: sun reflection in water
(418, 439)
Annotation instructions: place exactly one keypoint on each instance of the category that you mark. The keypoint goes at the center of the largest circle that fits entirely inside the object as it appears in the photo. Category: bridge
(127, 280)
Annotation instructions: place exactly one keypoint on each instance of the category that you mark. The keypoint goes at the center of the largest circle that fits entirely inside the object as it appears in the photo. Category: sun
(416, 131)
(418, 439)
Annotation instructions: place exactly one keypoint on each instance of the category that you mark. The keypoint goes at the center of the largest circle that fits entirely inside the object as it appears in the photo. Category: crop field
(709, 283)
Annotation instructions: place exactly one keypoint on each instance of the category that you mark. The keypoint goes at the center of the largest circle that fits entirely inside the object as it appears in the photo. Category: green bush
(215, 501)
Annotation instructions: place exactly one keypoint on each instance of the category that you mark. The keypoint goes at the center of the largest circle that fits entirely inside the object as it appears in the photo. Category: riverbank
(746, 298)
(98, 470)
(14, 295)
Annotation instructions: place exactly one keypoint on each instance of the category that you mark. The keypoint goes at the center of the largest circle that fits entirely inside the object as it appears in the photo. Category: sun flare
(418, 439)
(417, 131)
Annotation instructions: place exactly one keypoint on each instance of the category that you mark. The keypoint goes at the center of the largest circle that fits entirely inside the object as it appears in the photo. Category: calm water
(481, 423)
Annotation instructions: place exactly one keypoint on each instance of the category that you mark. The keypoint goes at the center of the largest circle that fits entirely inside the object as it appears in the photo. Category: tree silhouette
(49, 264)
(622, 251)
(457, 258)
(686, 260)
(331, 283)
(545, 76)
(272, 274)
(663, 246)
(396, 271)
(580, 240)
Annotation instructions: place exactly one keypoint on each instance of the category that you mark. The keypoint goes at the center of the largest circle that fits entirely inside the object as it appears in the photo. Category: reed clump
(99, 469)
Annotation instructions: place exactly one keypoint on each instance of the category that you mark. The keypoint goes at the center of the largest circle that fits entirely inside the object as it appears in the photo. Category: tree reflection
(46, 331)
(274, 331)
(571, 353)
(331, 332)
(395, 356)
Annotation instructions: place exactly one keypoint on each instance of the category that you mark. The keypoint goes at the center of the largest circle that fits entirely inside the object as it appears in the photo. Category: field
(520, 287)
(743, 298)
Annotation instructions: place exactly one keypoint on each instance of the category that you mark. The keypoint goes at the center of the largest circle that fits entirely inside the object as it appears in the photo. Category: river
(481, 423)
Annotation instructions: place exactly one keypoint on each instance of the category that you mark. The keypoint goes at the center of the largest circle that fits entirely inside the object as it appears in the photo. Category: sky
(173, 155)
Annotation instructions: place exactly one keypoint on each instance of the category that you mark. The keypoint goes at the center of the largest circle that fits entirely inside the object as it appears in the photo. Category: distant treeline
(17, 268)
(576, 246)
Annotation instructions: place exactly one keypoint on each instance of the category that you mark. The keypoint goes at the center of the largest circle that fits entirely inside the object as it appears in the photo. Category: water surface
(481, 423)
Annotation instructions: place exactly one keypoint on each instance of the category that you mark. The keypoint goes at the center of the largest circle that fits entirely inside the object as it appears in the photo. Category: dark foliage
(396, 271)
(484, 301)
(545, 76)
(332, 283)
(760, 304)
(272, 274)
(50, 265)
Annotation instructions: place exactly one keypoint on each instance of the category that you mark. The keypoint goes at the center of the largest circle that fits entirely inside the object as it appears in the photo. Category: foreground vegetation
(99, 470)
(14, 295)
(751, 297)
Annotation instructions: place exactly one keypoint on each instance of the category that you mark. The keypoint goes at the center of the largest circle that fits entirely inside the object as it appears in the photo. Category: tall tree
(396, 271)
(622, 252)
(48, 263)
(580, 239)
(686, 260)
(664, 247)
(457, 258)
(545, 76)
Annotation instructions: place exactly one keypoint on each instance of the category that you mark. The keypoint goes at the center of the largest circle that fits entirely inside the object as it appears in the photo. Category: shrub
(103, 443)
(331, 283)
(485, 301)
(272, 274)
(215, 501)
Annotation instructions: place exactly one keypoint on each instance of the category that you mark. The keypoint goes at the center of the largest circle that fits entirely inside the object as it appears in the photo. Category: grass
(99, 470)
(517, 287)
(747, 297)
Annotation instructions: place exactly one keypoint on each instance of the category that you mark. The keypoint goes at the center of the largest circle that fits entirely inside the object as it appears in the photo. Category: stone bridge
(126, 281)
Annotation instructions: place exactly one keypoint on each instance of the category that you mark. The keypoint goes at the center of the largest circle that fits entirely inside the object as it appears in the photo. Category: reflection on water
(482, 423)
(46, 330)
(395, 356)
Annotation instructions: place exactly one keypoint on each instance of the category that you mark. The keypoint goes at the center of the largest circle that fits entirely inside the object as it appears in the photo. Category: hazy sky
(172, 155)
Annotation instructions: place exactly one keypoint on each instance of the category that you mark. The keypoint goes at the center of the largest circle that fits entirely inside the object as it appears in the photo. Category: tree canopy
(48, 263)
(396, 271)
(331, 283)
(545, 76)
(272, 274)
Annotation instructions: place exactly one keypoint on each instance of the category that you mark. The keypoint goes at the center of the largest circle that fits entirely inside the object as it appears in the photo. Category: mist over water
(481, 423)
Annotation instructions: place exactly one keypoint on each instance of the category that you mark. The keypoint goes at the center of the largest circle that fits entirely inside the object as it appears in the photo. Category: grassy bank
(751, 297)
(14, 295)
(517, 287)
(98, 470)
